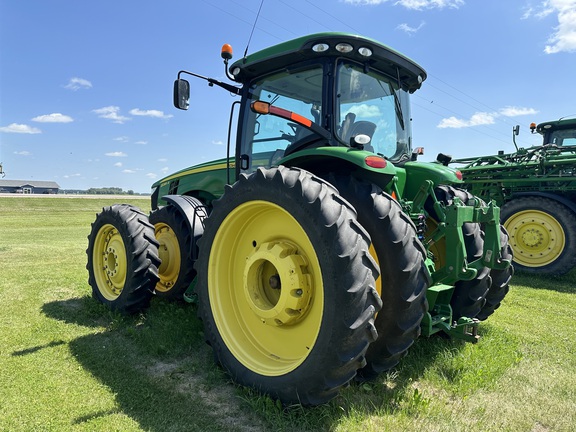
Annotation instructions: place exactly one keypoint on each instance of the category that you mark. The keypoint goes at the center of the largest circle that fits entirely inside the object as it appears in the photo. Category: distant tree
(108, 191)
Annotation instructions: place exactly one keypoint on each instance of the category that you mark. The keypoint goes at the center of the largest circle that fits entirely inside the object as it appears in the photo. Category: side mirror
(181, 94)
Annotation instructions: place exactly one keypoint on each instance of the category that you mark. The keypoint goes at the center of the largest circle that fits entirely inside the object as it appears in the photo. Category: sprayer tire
(122, 258)
(403, 279)
(286, 286)
(542, 235)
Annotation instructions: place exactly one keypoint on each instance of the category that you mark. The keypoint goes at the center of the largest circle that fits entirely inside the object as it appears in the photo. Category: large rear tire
(286, 286)
(500, 279)
(176, 272)
(542, 235)
(403, 279)
(122, 258)
(469, 296)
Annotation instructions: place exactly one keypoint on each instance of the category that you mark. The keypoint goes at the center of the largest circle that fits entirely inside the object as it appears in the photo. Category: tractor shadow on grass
(562, 284)
(163, 376)
(159, 370)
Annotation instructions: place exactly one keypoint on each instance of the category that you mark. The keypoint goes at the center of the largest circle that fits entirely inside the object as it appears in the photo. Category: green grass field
(68, 364)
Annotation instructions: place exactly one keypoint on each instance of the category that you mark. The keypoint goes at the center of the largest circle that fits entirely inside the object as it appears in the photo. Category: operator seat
(361, 127)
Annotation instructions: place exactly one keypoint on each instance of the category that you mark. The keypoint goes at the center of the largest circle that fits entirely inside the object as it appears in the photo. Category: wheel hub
(276, 284)
(532, 237)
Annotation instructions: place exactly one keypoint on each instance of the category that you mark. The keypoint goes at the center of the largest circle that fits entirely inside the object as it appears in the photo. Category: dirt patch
(221, 399)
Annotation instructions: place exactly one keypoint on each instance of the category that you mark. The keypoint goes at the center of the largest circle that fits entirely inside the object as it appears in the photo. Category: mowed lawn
(68, 364)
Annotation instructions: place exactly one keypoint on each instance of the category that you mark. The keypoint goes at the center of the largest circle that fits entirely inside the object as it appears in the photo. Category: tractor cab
(324, 90)
(559, 133)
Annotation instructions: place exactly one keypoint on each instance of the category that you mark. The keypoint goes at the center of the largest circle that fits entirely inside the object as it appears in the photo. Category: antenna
(253, 27)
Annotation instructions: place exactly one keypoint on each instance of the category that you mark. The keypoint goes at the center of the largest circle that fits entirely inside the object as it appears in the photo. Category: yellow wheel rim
(169, 251)
(437, 248)
(536, 237)
(109, 258)
(372, 252)
(265, 288)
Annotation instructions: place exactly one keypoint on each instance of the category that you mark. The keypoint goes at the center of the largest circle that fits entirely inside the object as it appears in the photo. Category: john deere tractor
(322, 249)
(536, 188)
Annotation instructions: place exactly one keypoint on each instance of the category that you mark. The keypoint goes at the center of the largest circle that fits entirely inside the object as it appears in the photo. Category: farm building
(29, 187)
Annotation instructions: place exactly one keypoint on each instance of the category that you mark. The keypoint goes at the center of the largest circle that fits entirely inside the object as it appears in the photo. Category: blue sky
(86, 86)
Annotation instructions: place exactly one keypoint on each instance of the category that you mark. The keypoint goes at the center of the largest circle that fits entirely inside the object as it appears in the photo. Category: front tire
(286, 286)
(542, 235)
(122, 258)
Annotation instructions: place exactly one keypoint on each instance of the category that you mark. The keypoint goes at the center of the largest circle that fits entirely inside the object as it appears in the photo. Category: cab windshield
(372, 104)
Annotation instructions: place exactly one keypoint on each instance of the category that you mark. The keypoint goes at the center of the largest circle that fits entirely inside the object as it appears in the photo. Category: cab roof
(569, 123)
(279, 56)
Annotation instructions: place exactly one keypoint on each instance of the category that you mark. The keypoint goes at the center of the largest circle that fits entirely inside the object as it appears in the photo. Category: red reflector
(458, 175)
(375, 161)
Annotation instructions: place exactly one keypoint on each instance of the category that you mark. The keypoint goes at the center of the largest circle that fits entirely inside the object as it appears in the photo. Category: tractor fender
(194, 212)
(344, 160)
(562, 200)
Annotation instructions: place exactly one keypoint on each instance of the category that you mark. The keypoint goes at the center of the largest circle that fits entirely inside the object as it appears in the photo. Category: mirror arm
(212, 81)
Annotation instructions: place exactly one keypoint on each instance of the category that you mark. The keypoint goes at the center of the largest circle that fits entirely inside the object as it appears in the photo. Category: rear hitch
(465, 329)
(439, 317)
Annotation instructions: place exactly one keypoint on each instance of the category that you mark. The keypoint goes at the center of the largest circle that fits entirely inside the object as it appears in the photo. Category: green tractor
(536, 190)
(322, 249)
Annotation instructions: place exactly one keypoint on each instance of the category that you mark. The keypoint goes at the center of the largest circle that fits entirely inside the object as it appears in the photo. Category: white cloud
(53, 118)
(410, 30)
(121, 139)
(116, 154)
(365, 2)
(364, 110)
(512, 111)
(162, 160)
(477, 119)
(165, 170)
(71, 175)
(151, 176)
(484, 118)
(78, 83)
(129, 171)
(20, 128)
(118, 164)
(217, 142)
(23, 153)
(111, 113)
(430, 4)
(150, 113)
(412, 4)
(564, 37)
(141, 142)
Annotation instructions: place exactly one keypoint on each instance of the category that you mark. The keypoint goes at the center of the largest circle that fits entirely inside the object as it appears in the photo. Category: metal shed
(29, 187)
